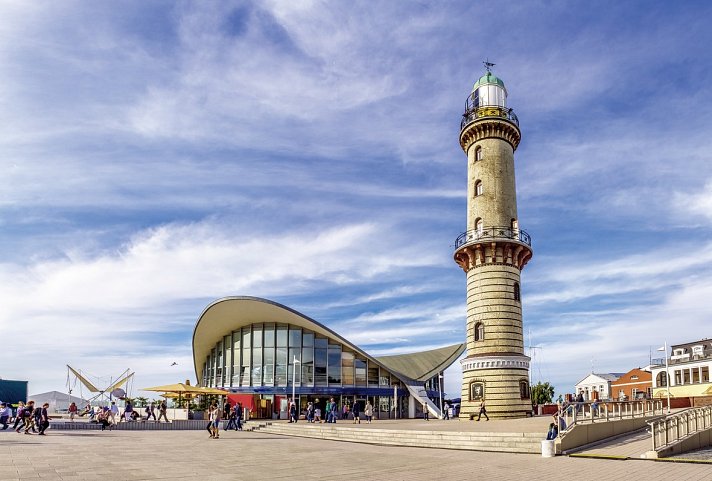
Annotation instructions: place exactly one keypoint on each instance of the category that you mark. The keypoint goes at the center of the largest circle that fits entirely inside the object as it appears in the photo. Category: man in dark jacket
(44, 419)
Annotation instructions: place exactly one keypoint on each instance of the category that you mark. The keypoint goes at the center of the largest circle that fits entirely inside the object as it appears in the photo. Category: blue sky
(156, 156)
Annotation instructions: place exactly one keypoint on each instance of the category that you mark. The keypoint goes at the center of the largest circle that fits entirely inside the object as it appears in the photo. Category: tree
(140, 401)
(542, 393)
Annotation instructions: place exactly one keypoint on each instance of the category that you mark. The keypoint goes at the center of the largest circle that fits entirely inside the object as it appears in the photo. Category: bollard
(548, 448)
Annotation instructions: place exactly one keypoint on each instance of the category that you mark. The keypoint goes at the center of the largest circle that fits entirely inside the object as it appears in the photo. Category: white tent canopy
(58, 401)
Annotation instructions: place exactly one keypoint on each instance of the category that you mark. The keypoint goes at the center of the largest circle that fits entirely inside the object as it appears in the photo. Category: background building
(492, 252)
(262, 352)
(635, 384)
(689, 370)
(13, 391)
(597, 386)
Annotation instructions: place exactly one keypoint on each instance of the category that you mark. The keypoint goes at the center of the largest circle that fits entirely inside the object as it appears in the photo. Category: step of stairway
(501, 442)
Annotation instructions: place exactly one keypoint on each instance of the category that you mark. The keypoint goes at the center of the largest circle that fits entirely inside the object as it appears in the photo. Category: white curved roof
(227, 314)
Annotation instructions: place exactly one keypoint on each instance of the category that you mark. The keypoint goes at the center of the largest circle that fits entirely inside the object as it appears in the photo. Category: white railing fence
(575, 413)
(678, 426)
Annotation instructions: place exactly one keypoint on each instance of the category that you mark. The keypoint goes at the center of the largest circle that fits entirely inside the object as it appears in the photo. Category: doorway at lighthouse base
(504, 389)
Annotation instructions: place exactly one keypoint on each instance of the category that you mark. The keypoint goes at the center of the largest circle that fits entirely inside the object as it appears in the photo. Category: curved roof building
(250, 347)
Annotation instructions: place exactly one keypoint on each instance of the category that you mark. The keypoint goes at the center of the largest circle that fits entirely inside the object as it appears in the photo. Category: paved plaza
(137, 455)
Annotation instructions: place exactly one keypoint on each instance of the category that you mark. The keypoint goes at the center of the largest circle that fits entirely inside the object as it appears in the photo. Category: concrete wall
(696, 441)
(583, 434)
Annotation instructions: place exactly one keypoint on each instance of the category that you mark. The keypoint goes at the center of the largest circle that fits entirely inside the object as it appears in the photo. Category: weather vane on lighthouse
(488, 65)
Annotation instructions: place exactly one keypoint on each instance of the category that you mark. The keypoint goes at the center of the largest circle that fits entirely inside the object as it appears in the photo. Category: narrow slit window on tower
(479, 332)
(478, 188)
(517, 294)
(478, 153)
(524, 389)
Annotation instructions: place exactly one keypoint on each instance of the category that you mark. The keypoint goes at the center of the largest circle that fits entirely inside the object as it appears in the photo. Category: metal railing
(605, 411)
(493, 233)
(677, 427)
(474, 112)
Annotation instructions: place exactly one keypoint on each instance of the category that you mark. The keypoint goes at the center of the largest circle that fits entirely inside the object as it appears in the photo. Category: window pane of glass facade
(236, 358)
(372, 375)
(321, 342)
(385, 379)
(269, 335)
(294, 353)
(246, 337)
(281, 336)
(227, 342)
(308, 339)
(256, 336)
(308, 366)
(334, 364)
(347, 368)
(295, 337)
(320, 358)
(268, 367)
(280, 370)
(360, 372)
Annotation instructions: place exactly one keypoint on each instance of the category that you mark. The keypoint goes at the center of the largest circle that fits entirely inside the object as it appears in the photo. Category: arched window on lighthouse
(478, 153)
(478, 188)
(479, 332)
(479, 227)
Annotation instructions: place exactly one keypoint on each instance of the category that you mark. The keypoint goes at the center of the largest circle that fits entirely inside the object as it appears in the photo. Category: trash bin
(548, 448)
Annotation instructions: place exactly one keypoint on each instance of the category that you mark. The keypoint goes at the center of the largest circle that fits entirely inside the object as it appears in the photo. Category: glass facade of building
(263, 356)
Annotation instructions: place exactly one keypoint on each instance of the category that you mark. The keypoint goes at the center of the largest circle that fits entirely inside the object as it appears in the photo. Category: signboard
(477, 391)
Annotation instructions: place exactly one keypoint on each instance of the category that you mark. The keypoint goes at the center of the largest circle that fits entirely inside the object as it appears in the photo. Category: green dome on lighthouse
(489, 79)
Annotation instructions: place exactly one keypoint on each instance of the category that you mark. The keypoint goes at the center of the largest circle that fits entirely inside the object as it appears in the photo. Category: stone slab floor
(178, 455)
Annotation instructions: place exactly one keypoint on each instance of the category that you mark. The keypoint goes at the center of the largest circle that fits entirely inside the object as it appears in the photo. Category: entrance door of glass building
(282, 406)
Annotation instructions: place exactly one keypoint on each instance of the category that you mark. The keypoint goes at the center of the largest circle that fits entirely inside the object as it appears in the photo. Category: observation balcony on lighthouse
(488, 99)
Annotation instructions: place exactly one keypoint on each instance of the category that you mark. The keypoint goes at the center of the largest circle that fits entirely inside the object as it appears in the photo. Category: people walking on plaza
(231, 420)
(345, 412)
(317, 415)
(104, 417)
(128, 411)
(426, 414)
(368, 411)
(211, 419)
(238, 416)
(483, 410)
(162, 410)
(113, 413)
(446, 412)
(216, 421)
(37, 415)
(19, 416)
(356, 410)
(150, 411)
(5, 414)
(293, 412)
(327, 411)
(310, 412)
(73, 409)
(28, 418)
(43, 419)
(334, 411)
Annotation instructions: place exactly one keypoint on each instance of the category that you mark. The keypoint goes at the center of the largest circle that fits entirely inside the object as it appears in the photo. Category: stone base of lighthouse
(504, 383)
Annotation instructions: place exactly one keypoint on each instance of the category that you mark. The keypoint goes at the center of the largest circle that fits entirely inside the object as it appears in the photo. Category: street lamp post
(440, 388)
(294, 382)
(667, 376)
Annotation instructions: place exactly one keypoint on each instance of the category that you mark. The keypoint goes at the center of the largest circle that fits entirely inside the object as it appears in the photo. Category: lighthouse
(492, 252)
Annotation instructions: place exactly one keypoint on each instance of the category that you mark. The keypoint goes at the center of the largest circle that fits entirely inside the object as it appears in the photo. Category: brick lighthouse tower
(492, 252)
